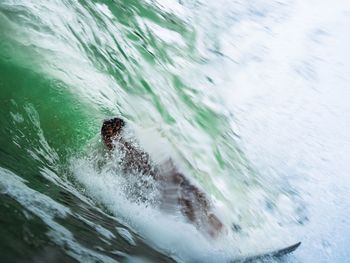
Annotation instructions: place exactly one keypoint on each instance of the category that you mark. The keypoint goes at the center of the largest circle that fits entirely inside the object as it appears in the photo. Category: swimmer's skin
(192, 201)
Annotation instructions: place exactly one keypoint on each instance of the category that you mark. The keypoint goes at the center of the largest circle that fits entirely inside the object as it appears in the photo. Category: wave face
(245, 97)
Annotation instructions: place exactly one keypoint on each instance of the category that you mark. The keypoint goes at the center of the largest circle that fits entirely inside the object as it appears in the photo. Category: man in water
(174, 186)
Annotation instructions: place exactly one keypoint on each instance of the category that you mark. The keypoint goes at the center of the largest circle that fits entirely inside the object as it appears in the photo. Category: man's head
(110, 131)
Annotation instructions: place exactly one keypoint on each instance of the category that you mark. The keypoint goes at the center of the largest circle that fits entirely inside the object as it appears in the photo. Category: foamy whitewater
(249, 99)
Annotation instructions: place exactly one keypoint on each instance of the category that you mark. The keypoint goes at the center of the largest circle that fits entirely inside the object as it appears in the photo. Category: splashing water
(249, 99)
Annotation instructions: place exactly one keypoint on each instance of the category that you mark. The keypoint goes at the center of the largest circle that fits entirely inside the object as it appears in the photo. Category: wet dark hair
(111, 128)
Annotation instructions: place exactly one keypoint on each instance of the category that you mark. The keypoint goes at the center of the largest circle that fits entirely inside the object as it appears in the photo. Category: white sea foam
(288, 90)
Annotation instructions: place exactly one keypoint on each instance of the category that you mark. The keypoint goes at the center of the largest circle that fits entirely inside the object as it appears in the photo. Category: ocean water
(249, 98)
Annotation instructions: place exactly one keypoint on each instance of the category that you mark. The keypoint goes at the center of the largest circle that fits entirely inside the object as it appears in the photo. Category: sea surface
(249, 98)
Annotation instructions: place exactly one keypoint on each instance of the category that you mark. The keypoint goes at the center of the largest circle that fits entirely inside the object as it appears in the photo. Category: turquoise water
(196, 82)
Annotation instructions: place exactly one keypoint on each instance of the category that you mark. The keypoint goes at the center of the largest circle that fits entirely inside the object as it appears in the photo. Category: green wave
(67, 65)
